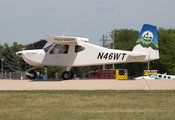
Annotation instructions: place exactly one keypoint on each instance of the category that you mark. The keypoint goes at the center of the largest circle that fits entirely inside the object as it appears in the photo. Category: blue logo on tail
(148, 37)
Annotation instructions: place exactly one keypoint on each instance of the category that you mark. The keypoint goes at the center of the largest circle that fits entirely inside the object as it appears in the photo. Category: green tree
(1, 49)
(125, 39)
(51, 71)
(166, 61)
(10, 63)
(39, 44)
(17, 47)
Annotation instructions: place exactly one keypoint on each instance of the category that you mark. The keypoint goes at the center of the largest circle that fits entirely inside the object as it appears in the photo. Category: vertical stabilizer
(147, 42)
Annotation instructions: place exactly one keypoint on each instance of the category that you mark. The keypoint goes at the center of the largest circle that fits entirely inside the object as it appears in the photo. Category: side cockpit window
(78, 48)
(60, 49)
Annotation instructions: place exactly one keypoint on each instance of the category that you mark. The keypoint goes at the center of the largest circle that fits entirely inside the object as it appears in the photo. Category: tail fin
(147, 42)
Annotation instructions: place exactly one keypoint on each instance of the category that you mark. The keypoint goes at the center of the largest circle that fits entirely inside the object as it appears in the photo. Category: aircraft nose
(19, 53)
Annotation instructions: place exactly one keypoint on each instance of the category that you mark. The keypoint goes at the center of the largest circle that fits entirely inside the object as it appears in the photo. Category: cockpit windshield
(47, 46)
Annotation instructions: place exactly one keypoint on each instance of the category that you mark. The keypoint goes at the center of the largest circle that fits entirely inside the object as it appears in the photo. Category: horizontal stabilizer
(134, 54)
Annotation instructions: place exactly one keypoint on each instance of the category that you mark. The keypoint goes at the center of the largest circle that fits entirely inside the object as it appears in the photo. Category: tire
(66, 75)
(33, 73)
(72, 74)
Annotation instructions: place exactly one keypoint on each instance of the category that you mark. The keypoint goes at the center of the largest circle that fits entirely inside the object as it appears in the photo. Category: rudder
(147, 42)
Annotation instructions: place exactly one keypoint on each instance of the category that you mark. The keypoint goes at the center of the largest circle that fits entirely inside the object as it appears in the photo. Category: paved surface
(87, 84)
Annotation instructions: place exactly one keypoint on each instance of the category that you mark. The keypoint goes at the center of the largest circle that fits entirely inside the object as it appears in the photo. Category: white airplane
(76, 51)
(156, 76)
(144, 77)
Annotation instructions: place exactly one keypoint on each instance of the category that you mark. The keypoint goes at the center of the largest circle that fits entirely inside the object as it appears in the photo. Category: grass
(92, 104)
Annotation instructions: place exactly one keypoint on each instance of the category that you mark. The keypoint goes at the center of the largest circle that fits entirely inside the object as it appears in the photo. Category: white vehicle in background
(76, 51)
(162, 76)
(156, 76)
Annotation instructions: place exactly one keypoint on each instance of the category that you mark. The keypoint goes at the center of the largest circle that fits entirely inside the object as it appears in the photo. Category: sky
(20, 20)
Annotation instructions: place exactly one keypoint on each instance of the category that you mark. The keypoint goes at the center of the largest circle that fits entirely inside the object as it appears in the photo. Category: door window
(60, 49)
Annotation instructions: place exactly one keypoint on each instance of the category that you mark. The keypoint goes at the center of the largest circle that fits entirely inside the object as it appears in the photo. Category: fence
(13, 75)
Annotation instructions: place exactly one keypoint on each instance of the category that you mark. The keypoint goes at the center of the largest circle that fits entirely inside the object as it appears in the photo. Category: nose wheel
(32, 74)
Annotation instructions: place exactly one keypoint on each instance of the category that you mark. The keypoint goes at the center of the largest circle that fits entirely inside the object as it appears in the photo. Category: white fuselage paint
(91, 55)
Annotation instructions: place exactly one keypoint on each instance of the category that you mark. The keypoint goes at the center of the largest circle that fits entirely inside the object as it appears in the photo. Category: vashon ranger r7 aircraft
(75, 51)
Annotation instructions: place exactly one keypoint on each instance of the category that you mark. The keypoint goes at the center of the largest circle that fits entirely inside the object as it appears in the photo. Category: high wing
(63, 39)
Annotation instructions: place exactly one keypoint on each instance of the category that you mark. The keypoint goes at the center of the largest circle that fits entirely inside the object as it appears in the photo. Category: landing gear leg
(31, 73)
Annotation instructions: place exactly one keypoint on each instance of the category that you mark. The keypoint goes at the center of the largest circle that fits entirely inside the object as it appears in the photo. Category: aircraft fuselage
(91, 55)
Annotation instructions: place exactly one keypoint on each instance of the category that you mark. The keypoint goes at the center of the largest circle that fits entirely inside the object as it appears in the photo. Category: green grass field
(85, 105)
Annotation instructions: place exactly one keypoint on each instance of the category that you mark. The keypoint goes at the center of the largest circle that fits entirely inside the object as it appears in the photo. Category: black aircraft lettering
(110, 56)
(123, 55)
(116, 56)
(100, 55)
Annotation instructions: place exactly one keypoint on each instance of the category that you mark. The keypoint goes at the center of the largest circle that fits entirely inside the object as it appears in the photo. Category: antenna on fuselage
(44, 33)
(66, 32)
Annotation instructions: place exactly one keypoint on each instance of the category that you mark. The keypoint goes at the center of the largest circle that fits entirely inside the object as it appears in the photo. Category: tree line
(125, 39)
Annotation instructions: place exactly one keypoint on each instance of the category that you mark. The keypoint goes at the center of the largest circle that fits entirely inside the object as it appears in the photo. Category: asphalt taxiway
(88, 84)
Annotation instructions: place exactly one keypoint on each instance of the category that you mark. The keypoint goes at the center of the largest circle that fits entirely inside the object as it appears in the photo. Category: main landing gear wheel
(66, 75)
(72, 75)
(33, 74)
